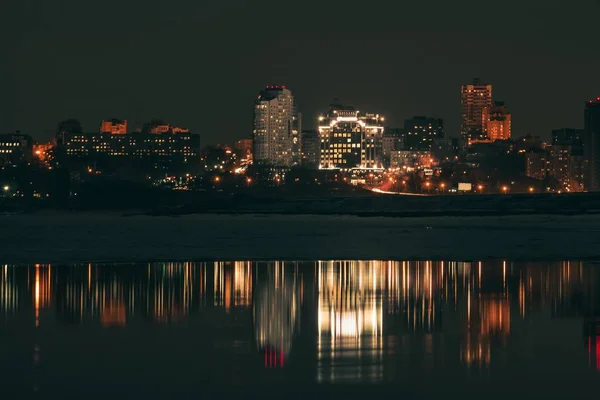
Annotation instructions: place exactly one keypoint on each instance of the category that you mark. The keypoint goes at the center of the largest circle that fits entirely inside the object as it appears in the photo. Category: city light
(6, 188)
(505, 189)
(531, 189)
(217, 179)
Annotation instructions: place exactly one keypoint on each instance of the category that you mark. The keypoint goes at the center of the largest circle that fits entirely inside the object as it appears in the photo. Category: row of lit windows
(10, 144)
(6, 151)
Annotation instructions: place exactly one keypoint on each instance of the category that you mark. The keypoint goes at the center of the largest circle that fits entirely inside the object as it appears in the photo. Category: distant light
(6, 188)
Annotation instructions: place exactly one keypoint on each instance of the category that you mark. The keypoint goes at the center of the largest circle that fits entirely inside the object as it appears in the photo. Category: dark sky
(200, 64)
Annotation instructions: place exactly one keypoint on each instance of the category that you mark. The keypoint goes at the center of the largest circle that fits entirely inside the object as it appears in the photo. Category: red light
(281, 358)
(598, 353)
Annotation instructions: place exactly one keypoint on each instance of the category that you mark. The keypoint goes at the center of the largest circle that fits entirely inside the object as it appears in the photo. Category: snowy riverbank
(107, 237)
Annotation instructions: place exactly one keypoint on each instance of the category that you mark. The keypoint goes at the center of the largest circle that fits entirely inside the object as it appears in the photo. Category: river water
(419, 328)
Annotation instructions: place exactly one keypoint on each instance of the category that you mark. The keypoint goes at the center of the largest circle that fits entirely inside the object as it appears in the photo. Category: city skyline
(50, 75)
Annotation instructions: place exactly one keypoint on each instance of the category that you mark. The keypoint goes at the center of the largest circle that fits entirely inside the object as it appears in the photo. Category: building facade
(350, 139)
(277, 128)
(420, 132)
(591, 144)
(15, 148)
(475, 97)
(114, 126)
(181, 146)
(497, 121)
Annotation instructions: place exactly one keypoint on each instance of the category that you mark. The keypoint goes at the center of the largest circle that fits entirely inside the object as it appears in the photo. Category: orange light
(217, 179)
(504, 189)
(531, 189)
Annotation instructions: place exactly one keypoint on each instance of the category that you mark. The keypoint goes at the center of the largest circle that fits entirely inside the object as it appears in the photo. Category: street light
(6, 188)
(531, 189)
(505, 189)
(443, 186)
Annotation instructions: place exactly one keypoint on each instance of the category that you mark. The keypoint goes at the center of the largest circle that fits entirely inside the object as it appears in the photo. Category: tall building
(420, 132)
(350, 139)
(591, 145)
(277, 128)
(311, 153)
(114, 126)
(497, 121)
(474, 98)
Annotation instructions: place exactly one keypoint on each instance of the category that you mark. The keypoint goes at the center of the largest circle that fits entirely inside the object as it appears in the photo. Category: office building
(497, 121)
(277, 128)
(114, 126)
(15, 148)
(350, 139)
(158, 127)
(311, 153)
(591, 144)
(420, 132)
(475, 97)
(141, 146)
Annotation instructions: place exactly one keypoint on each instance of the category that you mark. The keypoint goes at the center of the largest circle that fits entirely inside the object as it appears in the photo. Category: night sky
(200, 64)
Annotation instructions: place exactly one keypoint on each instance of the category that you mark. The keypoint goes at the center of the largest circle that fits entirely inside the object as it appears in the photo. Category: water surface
(185, 328)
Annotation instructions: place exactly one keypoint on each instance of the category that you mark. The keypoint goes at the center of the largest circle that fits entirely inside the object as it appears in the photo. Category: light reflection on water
(325, 321)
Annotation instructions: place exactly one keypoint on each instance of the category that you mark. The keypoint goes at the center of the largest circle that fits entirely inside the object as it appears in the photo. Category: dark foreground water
(417, 329)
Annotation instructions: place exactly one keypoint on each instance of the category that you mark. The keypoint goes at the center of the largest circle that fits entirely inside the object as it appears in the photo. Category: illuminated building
(114, 126)
(311, 149)
(184, 146)
(498, 121)
(420, 132)
(567, 168)
(15, 148)
(474, 98)
(414, 160)
(277, 128)
(591, 145)
(276, 311)
(537, 164)
(350, 139)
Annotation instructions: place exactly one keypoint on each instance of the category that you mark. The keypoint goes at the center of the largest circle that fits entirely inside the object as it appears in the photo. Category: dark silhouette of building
(591, 144)
(311, 149)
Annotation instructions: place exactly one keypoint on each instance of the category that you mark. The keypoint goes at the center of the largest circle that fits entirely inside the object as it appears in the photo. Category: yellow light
(217, 179)
(531, 189)
(427, 184)
(480, 187)
(443, 185)
(504, 188)
(6, 188)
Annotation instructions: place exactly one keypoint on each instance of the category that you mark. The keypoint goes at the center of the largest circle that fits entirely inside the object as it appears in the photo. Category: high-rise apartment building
(114, 126)
(591, 145)
(497, 121)
(350, 139)
(277, 128)
(474, 99)
(420, 132)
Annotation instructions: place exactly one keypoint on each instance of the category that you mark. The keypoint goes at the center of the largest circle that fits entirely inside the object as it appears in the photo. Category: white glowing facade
(350, 139)
(277, 128)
